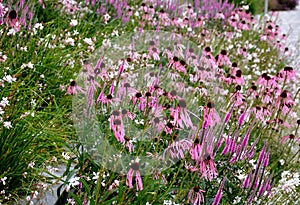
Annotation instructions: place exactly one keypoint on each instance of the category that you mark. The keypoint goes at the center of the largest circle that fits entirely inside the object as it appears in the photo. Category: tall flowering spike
(228, 115)
(246, 183)
(219, 194)
(246, 138)
(262, 155)
(242, 118)
(266, 160)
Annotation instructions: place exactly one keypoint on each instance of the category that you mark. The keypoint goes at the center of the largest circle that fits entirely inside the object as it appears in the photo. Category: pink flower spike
(219, 194)
(242, 118)
(266, 160)
(228, 115)
(262, 154)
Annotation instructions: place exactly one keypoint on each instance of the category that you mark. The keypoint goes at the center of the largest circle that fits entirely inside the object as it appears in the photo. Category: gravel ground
(289, 21)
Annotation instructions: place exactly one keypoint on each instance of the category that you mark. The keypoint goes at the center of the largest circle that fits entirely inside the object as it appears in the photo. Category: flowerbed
(154, 102)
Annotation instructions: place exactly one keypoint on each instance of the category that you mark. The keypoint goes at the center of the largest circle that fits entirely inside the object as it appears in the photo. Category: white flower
(167, 202)
(12, 31)
(106, 17)
(24, 174)
(9, 79)
(245, 7)
(281, 162)
(30, 65)
(74, 181)
(7, 125)
(88, 41)
(3, 180)
(31, 165)
(28, 198)
(75, 32)
(4, 102)
(96, 176)
(1, 111)
(66, 156)
(71, 201)
(39, 26)
(70, 41)
(73, 22)
(237, 200)
(33, 102)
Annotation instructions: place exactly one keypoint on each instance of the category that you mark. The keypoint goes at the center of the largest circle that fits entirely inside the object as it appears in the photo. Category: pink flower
(128, 144)
(211, 116)
(196, 150)
(142, 101)
(125, 90)
(154, 52)
(181, 115)
(178, 149)
(134, 168)
(91, 89)
(207, 166)
(116, 124)
(73, 88)
(290, 137)
(238, 96)
(222, 59)
(13, 21)
(195, 196)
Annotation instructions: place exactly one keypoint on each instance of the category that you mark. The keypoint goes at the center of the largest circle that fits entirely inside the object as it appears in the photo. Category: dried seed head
(253, 87)
(288, 68)
(182, 62)
(102, 65)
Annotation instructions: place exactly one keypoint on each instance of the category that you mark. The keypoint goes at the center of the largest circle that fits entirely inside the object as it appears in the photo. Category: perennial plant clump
(150, 102)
